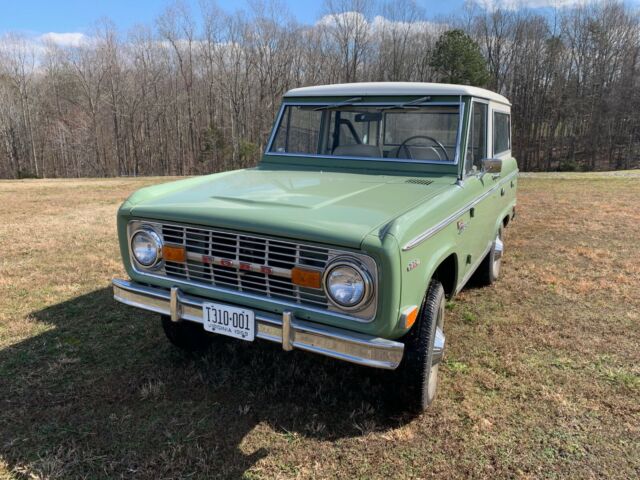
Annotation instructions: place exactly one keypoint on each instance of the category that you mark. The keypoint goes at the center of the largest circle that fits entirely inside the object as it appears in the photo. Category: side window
(477, 142)
(298, 132)
(501, 132)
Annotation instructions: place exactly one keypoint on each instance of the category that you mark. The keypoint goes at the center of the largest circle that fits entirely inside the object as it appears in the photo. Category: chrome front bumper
(286, 330)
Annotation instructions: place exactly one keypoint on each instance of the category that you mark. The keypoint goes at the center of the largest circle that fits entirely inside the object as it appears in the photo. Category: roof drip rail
(411, 104)
(344, 103)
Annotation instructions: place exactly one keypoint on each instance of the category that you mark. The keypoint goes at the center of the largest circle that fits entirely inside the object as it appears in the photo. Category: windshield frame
(286, 103)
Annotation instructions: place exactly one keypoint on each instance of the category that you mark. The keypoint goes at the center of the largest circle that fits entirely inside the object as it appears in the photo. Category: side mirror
(491, 165)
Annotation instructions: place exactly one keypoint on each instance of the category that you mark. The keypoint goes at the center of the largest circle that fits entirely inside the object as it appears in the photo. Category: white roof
(394, 88)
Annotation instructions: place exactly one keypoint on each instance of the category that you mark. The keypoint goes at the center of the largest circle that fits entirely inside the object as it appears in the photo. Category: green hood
(330, 207)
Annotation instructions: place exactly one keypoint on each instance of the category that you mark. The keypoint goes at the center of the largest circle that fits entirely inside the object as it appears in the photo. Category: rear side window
(501, 132)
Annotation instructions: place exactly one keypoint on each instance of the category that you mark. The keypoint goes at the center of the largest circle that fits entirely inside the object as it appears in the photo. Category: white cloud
(352, 20)
(381, 23)
(344, 19)
(517, 4)
(67, 39)
(17, 45)
(31, 48)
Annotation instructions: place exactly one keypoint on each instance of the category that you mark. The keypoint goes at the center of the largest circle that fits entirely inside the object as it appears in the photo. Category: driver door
(476, 224)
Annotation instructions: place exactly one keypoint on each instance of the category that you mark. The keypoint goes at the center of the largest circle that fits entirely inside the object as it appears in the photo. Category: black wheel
(188, 336)
(489, 270)
(424, 350)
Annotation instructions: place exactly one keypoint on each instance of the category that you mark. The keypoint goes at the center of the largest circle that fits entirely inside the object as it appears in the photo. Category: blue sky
(42, 16)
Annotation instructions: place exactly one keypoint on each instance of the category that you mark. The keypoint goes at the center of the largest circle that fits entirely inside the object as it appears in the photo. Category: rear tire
(424, 350)
(188, 336)
(489, 270)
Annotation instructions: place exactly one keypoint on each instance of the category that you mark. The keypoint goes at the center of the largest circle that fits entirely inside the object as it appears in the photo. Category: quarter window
(501, 132)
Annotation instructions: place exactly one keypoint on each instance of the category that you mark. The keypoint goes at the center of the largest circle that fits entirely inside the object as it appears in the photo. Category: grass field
(541, 379)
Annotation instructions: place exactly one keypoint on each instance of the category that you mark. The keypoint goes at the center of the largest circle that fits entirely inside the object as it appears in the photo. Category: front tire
(424, 350)
(187, 336)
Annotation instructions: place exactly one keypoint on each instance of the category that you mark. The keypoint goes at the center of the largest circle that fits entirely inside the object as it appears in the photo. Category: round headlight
(347, 284)
(146, 246)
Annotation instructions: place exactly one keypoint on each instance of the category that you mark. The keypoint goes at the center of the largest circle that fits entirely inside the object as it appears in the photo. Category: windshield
(404, 132)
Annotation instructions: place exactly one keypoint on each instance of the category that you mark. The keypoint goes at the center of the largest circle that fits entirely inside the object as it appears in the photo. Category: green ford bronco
(372, 204)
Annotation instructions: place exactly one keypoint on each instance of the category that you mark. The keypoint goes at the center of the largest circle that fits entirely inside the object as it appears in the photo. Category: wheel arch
(445, 270)
(504, 218)
(447, 274)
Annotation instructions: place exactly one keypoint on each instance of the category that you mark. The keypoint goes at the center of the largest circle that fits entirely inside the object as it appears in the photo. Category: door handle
(495, 176)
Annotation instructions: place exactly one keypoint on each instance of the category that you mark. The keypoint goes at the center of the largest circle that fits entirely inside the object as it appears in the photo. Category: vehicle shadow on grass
(101, 393)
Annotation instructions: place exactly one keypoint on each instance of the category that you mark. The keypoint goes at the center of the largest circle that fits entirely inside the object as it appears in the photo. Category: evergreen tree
(457, 58)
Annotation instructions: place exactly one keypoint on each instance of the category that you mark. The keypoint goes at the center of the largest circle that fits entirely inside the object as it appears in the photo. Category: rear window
(501, 132)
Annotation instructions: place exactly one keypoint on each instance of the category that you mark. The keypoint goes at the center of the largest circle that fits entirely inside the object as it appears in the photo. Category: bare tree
(19, 59)
(197, 92)
(177, 27)
(346, 26)
(395, 29)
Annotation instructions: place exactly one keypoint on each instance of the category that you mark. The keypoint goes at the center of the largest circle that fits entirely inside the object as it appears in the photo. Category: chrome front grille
(246, 263)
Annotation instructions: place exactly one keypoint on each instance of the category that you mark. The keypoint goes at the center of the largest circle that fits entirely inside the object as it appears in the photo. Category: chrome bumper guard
(286, 330)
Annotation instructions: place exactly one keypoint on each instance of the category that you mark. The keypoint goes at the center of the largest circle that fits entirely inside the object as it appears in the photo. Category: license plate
(231, 321)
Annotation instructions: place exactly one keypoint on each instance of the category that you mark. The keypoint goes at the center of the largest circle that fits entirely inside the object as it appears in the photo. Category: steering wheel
(435, 142)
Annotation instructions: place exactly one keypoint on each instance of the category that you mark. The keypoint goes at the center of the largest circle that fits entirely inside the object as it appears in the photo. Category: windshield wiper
(411, 104)
(344, 103)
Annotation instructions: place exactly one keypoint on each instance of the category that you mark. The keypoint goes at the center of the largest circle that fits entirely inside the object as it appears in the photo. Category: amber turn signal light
(410, 315)
(306, 278)
(174, 254)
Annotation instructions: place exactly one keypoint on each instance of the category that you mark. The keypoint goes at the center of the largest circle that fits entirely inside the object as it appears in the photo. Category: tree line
(197, 91)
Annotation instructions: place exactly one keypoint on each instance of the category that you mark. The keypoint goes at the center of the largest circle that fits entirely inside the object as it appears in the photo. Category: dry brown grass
(542, 375)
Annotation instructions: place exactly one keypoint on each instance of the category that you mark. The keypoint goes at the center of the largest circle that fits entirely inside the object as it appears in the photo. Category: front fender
(418, 266)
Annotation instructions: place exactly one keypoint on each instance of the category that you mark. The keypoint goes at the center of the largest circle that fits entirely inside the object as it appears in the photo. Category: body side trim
(414, 242)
